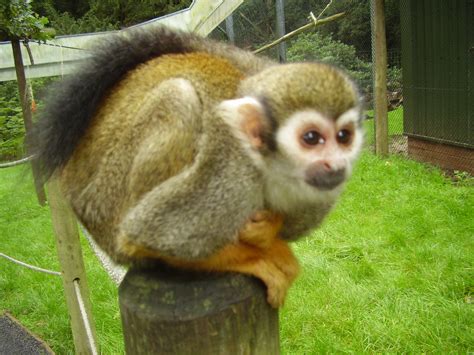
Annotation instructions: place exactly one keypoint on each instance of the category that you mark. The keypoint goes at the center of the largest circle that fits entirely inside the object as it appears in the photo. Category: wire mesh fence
(415, 127)
(255, 23)
(438, 68)
(429, 88)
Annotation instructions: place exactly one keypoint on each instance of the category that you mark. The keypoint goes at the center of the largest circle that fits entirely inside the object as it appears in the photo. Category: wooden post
(280, 28)
(379, 58)
(25, 100)
(165, 311)
(73, 272)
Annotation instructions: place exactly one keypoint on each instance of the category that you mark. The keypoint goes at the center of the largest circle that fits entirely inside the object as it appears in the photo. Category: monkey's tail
(72, 102)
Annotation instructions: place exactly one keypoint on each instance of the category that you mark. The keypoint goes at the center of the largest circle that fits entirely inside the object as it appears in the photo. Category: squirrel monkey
(175, 147)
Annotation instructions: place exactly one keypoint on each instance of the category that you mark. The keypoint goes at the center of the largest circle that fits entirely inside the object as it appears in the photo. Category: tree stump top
(183, 295)
(168, 311)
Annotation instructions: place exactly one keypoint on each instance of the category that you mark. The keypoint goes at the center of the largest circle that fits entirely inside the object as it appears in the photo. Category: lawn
(391, 270)
(395, 124)
(36, 299)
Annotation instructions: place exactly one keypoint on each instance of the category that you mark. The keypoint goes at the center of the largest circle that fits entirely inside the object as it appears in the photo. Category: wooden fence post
(280, 29)
(379, 58)
(165, 311)
(73, 272)
(25, 100)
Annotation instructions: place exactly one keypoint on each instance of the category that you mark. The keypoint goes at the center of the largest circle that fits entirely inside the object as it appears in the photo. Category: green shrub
(12, 130)
(394, 79)
(315, 46)
(65, 23)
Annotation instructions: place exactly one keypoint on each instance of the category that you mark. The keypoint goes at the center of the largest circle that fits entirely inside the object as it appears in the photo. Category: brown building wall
(443, 155)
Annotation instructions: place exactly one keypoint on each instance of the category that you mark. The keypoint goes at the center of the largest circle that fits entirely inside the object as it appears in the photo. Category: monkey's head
(301, 124)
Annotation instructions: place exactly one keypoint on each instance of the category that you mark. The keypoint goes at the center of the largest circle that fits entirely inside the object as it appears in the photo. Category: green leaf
(19, 21)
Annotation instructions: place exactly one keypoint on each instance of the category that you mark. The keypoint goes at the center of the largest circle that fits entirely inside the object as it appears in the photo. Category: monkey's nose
(324, 176)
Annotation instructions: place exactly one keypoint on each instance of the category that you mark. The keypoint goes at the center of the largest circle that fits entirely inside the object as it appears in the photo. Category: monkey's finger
(276, 282)
(277, 287)
(282, 256)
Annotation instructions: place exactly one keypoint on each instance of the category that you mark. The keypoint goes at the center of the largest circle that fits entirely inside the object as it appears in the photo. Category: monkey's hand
(258, 252)
(262, 229)
(277, 266)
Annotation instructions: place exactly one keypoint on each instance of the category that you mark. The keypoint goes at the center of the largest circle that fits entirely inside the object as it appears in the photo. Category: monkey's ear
(247, 119)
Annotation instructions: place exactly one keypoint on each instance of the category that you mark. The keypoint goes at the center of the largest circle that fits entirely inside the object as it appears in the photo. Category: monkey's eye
(344, 136)
(313, 138)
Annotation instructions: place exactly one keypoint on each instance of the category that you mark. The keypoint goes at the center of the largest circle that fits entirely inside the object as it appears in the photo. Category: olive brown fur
(73, 101)
(169, 146)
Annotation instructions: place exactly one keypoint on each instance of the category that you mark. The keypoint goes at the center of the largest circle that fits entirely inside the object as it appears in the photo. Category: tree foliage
(323, 48)
(12, 129)
(19, 21)
(81, 16)
(255, 22)
(355, 28)
(11, 122)
(66, 23)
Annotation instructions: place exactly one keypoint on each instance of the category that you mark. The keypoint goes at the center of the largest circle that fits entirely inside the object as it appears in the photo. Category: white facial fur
(287, 138)
(286, 187)
(284, 174)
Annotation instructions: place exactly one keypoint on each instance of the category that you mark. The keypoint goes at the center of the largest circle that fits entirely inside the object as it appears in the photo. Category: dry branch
(301, 29)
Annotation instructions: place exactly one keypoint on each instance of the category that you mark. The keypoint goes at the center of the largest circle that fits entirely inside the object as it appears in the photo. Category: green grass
(395, 124)
(37, 299)
(391, 270)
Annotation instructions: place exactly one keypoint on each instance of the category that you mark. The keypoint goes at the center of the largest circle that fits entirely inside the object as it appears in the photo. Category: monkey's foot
(276, 266)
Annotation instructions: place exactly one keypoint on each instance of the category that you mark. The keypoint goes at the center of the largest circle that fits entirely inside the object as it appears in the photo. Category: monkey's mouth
(327, 181)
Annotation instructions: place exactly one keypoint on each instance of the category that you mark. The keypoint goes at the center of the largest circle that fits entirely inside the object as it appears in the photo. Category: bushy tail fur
(72, 102)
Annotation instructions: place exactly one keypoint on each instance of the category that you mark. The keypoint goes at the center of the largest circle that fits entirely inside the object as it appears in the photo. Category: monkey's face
(310, 155)
(321, 150)
(301, 125)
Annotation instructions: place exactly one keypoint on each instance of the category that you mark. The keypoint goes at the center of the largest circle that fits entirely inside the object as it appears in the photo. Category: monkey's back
(131, 118)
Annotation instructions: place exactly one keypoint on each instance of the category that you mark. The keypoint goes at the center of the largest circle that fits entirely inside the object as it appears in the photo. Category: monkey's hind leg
(258, 252)
(276, 266)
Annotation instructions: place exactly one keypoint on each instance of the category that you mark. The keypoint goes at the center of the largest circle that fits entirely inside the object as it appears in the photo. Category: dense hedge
(12, 130)
(11, 122)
